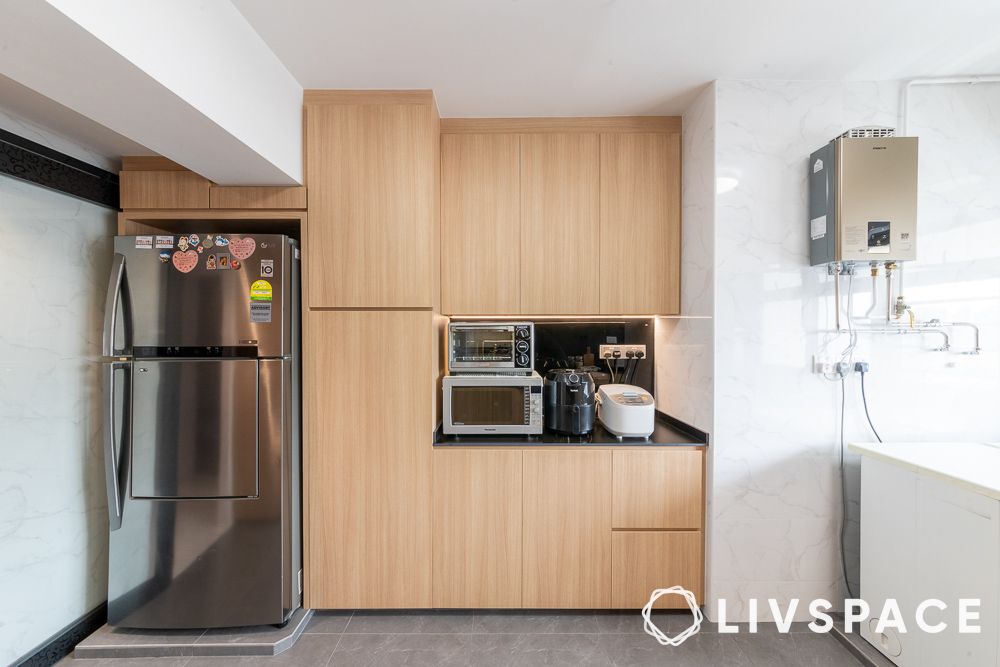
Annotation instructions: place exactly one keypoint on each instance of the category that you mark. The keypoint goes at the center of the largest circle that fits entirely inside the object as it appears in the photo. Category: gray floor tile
(309, 651)
(123, 662)
(329, 622)
(631, 622)
(559, 649)
(800, 649)
(535, 622)
(408, 622)
(700, 650)
(823, 650)
(744, 628)
(385, 650)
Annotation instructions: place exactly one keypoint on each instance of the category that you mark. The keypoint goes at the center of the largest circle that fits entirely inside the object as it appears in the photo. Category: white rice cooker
(625, 410)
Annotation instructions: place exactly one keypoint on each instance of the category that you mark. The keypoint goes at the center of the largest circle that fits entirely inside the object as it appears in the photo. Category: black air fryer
(570, 405)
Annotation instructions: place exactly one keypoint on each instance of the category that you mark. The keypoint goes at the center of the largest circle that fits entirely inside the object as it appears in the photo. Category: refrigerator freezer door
(194, 428)
(233, 292)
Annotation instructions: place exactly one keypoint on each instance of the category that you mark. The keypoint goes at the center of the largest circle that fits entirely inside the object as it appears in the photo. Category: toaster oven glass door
(488, 406)
(491, 345)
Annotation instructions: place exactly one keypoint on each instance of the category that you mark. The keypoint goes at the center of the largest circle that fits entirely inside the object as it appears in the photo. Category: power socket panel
(623, 352)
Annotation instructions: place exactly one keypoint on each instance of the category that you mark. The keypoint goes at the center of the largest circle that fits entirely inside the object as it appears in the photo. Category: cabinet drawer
(657, 489)
(643, 561)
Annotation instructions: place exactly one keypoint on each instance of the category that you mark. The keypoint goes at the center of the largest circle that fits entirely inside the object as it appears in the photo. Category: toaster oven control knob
(574, 378)
(522, 360)
(521, 332)
(522, 346)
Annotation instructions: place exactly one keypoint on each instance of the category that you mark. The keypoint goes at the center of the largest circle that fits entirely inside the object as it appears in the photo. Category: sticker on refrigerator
(208, 242)
(210, 263)
(144, 242)
(164, 242)
(266, 268)
(234, 264)
(185, 261)
(221, 241)
(164, 256)
(223, 260)
(242, 248)
(260, 311)
(182, 243)
(261, 290)
(194, 240)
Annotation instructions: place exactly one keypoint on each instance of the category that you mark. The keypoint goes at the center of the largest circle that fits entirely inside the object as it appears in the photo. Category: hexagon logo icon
(658, 634)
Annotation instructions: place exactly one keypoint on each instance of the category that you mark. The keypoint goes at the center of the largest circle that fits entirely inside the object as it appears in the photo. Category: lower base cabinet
(643, 561)
(477, 528)
(567, 530)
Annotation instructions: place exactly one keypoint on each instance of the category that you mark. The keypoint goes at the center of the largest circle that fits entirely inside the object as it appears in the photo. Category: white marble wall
(684, 345)
(54, 259)
(775, 495)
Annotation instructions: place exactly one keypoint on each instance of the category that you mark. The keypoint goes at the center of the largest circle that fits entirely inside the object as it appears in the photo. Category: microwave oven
(493, 404)
(478, 347)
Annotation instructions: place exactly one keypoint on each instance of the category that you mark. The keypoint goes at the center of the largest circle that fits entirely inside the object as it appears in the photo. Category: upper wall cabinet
(640, 223)
(559, 222)
(561, 216)
(480, 232)
(372, 162)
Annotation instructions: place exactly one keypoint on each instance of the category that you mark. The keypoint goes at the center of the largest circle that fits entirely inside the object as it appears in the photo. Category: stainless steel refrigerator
(202, 430)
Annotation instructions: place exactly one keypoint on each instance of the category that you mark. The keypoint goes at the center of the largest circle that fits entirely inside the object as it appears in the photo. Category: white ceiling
(616, 57)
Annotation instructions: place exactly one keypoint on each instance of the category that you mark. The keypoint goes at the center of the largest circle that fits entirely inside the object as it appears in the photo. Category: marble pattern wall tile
(55, 255)
(775, 495)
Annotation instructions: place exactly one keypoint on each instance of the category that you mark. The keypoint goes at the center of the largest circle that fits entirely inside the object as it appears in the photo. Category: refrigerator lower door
(219, 561)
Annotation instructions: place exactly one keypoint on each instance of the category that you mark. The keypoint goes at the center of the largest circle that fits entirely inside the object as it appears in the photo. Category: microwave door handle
(111, 303)
(115, 453)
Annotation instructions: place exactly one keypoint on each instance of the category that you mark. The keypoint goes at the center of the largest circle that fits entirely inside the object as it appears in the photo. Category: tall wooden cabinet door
(480, 224)
(372, 176)
(567, 530)
(477, 528)
(367, 459)
(559, 223)
(640, 223)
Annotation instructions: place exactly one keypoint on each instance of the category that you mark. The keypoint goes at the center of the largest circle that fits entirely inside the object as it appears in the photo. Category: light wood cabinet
(367, 458)
(640, 231)
(658, 489)
(171, 189)
(647, 560)
(372, 173)
(249, 197)
(560, 210)
(480, 224)
(477, 528)
(567, 529)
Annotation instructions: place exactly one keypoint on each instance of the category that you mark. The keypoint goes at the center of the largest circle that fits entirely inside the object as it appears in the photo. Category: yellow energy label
(261, 290)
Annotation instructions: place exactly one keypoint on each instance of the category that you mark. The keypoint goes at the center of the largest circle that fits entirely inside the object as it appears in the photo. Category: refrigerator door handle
(118, 294)
(116, 453)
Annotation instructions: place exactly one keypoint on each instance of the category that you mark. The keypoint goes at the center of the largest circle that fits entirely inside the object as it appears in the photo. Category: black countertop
(667, 431)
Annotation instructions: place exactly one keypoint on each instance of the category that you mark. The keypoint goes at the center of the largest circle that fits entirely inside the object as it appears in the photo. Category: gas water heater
(863, 198)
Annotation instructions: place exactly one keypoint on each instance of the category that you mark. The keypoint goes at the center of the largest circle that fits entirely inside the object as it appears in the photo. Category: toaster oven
(495, 403)
(477, 347)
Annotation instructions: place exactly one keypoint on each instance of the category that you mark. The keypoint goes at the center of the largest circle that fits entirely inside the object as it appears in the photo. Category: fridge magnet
(210, 263)
(261, 290)
(194, 240)
(144, 242)
(164, 242)
(221, 240)
(223, 261)
(199, 249)
(208, 242)
(185, 261)
(242, 248)
(164, 256)
(266, 267)
(234, 264)
(182, 243)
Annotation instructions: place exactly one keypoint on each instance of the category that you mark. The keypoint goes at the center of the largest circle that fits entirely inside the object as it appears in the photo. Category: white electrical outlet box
(622, 352)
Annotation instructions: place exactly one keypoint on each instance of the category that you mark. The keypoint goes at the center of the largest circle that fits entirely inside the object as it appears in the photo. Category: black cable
(864, 399)
(843, 491)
